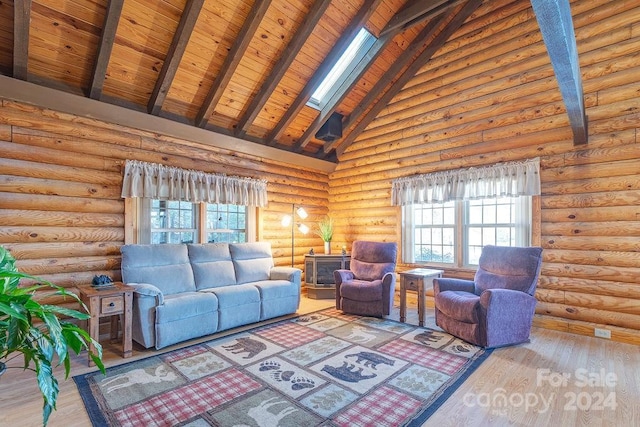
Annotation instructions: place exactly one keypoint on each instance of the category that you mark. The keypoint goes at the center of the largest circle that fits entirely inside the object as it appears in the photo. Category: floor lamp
(289, 220)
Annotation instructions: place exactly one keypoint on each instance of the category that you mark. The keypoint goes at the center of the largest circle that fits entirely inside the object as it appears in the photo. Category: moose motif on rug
(138, 377)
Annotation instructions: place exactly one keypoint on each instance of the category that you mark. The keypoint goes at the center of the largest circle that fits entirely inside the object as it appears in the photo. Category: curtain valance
(155, 181)
(501, 180)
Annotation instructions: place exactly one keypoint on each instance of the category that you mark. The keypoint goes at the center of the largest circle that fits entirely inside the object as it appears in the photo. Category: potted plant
(325, 231)
(34, 330)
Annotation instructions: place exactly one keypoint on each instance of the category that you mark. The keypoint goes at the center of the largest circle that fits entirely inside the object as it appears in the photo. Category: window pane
(475, 236)
(475, 215)
(489, 214)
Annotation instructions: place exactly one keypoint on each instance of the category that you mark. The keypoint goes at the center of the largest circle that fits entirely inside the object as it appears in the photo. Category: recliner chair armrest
(507, 305)
(148, 290)
(342, 276)
(449, 284)
(290, 274)
(389, 278)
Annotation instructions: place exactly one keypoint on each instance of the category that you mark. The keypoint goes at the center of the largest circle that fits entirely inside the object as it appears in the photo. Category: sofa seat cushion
(212, 265)
(362, 290)
(459, 305)
(184, 305)
(274, 289)
(235, 295)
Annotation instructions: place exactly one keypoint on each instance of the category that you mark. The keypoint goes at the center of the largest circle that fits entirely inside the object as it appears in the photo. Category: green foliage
(325, 229)
(37, 332)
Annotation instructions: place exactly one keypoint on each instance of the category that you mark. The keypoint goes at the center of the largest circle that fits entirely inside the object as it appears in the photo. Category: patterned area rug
(325, 368)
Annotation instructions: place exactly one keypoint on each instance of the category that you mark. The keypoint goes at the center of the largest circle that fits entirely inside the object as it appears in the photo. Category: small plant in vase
(325, 231)
(34, 330)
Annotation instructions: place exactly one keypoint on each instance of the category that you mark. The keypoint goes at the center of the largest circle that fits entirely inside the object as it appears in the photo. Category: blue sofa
(185, 291)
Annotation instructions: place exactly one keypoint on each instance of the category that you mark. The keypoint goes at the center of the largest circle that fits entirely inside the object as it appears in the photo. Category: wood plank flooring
(557, 379)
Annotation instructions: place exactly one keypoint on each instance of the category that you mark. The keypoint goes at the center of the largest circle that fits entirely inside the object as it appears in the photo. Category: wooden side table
(418, 279)
(116, 302)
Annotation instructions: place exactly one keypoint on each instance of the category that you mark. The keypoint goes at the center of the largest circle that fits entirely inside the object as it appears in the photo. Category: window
(454, 232)
(167, 221)
(172, 222)
(343, 67)
(226, 223)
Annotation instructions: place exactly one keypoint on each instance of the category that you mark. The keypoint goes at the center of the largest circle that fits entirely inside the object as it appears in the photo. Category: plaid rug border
(98, 419)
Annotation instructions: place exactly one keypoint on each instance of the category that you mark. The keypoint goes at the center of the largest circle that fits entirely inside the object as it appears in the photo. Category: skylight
(347, 62)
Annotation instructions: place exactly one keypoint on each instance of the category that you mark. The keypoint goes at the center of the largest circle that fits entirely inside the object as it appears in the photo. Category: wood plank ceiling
(247, 68)
(244, 68)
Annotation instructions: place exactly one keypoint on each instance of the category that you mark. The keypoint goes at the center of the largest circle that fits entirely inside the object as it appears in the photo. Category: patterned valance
(162, 182)
(501, 180)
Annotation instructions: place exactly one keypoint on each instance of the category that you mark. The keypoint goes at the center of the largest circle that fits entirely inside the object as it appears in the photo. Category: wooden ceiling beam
(21, 21)
(556, 25)
(174, 55)
(413, 12)
(107, 38)
(281, 67)
(438, 41)
(231, 62)
(345, 87)
(358, 21)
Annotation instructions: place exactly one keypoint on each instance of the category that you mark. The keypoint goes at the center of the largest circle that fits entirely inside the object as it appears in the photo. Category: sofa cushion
(165, 266)
(185, 305)
(212, 265)
(252, 261)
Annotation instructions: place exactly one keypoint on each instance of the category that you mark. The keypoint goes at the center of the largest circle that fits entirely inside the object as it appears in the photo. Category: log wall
(490, 95)
(61, 214)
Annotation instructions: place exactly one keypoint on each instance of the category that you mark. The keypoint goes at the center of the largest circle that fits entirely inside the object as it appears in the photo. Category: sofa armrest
(290, 274)
(448, 284)
(148, 290)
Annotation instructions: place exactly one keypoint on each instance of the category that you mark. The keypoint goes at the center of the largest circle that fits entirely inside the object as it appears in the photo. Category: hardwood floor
(557, 379)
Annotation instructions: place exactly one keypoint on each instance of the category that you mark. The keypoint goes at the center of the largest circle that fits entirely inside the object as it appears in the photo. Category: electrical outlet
(602, 333)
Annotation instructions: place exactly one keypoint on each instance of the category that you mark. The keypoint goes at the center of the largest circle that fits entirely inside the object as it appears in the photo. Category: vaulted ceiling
(244, 68)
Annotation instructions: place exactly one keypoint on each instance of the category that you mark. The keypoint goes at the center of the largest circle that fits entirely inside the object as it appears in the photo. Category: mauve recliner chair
(496, 308)
(367, 288)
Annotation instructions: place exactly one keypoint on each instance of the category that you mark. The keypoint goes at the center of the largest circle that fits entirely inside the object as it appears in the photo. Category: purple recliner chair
(496, 308)
(367, 288)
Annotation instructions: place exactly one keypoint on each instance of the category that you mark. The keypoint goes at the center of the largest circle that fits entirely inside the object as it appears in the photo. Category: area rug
(320, 369)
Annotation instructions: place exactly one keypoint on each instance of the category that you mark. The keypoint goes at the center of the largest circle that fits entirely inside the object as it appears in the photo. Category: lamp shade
(302, 213)
(286, 220)
(303, 228)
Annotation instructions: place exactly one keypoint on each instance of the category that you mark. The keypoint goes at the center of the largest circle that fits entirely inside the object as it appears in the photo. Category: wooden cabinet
(318, 274)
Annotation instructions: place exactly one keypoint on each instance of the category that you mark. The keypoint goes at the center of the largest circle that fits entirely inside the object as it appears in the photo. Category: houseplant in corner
(34, 330)
(325, 231)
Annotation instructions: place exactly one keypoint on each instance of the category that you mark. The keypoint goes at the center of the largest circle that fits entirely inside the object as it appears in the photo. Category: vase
(327, 248)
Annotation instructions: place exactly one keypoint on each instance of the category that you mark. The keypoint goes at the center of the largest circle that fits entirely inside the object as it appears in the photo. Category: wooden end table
(418, 279)
(114, 301)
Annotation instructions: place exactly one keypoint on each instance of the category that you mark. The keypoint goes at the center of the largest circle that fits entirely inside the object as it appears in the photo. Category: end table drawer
(112, 304)
(411, 284)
